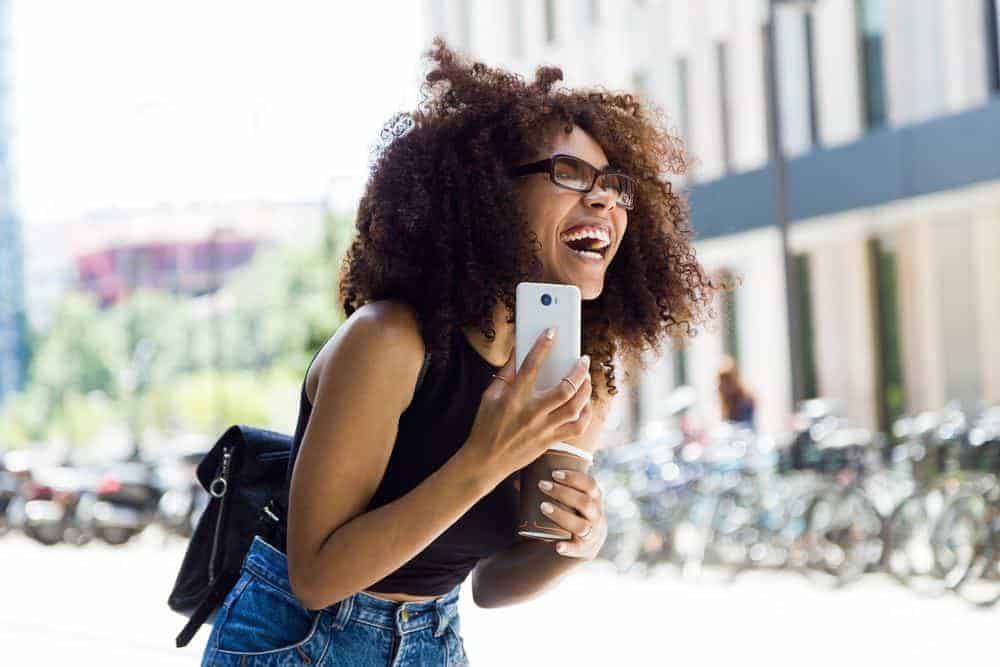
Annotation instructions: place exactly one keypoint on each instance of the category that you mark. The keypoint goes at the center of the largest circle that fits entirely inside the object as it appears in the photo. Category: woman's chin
(591, 283)
(591, 292)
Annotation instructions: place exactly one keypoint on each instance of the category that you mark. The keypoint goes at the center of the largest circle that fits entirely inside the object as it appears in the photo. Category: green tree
(172, 362)
(75, 358)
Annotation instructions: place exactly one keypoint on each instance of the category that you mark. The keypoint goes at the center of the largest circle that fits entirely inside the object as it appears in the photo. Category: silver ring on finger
(501, 378)
(586, 534)
(570, 383)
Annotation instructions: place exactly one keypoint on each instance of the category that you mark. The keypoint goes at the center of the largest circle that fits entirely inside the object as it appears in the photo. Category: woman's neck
(499, 350)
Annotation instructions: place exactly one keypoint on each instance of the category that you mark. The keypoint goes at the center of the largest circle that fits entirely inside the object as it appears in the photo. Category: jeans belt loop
(442, 620)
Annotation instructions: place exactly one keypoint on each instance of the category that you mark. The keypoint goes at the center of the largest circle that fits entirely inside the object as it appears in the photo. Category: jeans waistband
(270, 564)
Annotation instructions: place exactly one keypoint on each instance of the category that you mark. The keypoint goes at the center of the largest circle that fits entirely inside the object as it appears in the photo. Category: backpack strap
(216, 594)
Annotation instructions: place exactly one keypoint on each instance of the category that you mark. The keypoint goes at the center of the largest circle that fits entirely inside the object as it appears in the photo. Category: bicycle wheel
(981, 583)
(847, 535)
(959, 535)
(733, 531)
(625, 530)
(909, 555)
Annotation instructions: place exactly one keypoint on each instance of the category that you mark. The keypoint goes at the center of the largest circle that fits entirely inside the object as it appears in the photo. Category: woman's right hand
(515, 422)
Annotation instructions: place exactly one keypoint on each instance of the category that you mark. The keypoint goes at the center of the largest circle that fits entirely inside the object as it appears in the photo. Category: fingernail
(545, 485)
(558, 474)
(585, 361)
(550, 333)
(547, 508)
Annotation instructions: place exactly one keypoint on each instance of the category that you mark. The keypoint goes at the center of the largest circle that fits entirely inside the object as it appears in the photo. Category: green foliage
(176, 363)
(77, 353)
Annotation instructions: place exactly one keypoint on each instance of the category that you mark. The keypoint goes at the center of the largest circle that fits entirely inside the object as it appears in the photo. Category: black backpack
(244, 473)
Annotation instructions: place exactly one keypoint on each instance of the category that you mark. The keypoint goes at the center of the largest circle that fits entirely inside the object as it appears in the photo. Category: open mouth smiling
(589, 242)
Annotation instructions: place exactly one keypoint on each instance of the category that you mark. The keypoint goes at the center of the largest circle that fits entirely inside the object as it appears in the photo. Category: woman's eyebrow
(604, 168)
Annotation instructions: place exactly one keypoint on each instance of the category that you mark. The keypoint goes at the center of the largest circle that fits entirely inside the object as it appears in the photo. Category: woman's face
(553, 211)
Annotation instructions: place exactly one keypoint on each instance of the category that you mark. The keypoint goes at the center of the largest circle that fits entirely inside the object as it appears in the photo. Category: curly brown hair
(439, 225)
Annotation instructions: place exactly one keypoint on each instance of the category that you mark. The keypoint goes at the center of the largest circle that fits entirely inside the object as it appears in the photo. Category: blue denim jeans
(261, 623)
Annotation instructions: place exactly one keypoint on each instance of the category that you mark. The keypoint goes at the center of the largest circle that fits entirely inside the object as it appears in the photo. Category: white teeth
(589, 254)
(596, 234)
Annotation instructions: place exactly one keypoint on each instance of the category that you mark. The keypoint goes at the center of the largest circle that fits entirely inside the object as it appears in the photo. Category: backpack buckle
(268, 511)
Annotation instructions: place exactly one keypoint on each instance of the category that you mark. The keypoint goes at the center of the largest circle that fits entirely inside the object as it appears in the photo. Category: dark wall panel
(885, 165)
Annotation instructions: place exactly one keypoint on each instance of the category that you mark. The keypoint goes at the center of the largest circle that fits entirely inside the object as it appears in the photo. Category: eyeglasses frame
(548, 166)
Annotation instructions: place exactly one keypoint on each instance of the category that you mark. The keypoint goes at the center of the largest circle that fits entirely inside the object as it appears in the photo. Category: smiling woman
(468, 197)
(414, 422)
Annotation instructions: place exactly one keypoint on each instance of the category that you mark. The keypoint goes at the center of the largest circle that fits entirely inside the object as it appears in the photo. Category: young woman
(736, 400)
(413, 423)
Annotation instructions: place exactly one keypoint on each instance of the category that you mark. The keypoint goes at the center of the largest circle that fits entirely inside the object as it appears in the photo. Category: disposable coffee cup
(532, 522)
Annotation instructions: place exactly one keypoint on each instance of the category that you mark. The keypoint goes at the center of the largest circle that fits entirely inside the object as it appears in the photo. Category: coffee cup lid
(570, 449)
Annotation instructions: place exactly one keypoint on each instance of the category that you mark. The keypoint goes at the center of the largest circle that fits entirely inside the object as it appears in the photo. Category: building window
(593, 11)
(803, 293)
(871, 27)
(811, 75)
(681, 66)
(550, 21)
(722, 57)
(680, 364)
(889, 381)
(730, 318)
(993, 43)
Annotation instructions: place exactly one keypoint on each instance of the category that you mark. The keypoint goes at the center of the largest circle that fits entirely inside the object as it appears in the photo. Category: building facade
(890, 126)
(190, 268)
(184, 248)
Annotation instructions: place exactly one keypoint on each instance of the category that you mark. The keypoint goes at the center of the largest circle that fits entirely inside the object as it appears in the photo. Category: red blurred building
(184, 267)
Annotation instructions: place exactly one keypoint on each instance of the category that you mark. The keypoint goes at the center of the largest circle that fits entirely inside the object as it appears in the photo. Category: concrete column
(762, 326)
(655, 385)
(837, 70)
(793, 81)
(748, 109)
(959, 346)
(986, 251)
(844, 321)
(920, 318)
(704, 102)
(964, 54)
(703, 355)
(941, 317)
(913, 61)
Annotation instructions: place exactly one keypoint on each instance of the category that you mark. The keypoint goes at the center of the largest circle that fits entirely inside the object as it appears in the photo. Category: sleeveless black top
(432, 428)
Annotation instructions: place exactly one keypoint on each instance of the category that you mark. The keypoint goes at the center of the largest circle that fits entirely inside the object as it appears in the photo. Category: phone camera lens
(546, 299)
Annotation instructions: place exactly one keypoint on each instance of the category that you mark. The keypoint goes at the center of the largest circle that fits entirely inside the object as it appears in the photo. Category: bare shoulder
(381, 341)
(393, 327)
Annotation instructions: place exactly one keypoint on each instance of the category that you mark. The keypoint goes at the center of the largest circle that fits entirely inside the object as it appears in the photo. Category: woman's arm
(335, 548)
(530, 567)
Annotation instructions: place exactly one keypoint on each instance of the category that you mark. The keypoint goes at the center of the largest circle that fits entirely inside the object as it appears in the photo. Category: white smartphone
(539, 306)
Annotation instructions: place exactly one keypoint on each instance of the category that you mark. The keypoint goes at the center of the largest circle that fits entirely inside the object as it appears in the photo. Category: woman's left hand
(578, 491)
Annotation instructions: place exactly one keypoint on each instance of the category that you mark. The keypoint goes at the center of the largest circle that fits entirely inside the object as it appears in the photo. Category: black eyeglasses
(573, 173)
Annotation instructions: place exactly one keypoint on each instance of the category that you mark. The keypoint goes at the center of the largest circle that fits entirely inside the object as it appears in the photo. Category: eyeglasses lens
(578, 175)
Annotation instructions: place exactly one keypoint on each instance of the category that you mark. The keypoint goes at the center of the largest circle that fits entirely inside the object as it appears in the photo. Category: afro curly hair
(439, 225)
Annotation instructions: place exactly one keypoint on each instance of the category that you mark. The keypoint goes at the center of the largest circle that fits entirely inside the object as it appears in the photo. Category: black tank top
(431, 429)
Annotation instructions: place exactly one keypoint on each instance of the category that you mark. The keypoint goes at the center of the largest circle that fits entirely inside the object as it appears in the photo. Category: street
(103, 605)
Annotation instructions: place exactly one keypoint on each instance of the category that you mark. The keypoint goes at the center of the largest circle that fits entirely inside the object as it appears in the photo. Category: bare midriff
(402, 597)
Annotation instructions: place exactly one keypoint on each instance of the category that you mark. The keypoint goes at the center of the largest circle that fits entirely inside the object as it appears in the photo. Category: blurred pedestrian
(736, 400)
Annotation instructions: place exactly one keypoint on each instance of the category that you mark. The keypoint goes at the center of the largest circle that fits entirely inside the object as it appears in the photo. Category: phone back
(538, 307)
